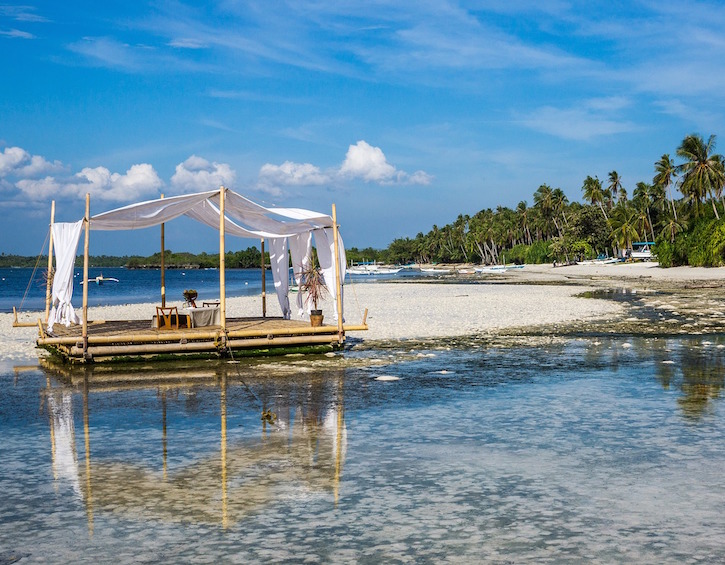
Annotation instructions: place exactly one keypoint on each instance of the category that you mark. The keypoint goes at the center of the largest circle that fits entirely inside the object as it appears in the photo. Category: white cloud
(17, 33)
(362, 161)
(187, 43)
(11, 158)
(18, 162)
(139, 181)
(593, 118)
(292, 174)
(196, 174)
(369, 163)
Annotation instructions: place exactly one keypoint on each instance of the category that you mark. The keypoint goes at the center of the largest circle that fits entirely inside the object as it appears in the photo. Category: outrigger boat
(100, 279)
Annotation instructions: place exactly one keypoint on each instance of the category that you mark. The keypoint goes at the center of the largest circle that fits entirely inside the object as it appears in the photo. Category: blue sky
(405, 114)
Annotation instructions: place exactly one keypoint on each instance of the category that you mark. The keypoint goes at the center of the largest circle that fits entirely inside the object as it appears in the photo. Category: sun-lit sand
(538, 295)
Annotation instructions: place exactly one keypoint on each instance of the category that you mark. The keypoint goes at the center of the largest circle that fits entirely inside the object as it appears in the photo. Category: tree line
(687, 230)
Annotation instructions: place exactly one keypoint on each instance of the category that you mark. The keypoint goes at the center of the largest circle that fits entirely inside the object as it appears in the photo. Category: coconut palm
(666, 171)
(594, 193)
(544, 201)
(643, 197)
(615, 186)
(624, 225)
(703, 172)
(671, 227)
(559, 202)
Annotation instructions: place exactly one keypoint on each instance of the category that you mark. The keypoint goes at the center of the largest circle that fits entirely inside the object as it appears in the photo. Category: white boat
(100, 279)
(491, 269)
(435, 271)
(373, 269)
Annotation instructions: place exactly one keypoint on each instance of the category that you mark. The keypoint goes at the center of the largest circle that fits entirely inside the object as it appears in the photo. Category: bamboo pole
(264, 283)
(48, 286)
(338, 278)
(222, 265)
(191, 347)
(85, 273)
(177, 336)
(163, 264)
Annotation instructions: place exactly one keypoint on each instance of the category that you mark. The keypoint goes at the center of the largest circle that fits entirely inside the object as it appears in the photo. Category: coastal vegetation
(686, 230)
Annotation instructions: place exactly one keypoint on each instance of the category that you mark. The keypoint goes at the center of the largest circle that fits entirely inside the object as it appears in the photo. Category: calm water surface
(582, 451)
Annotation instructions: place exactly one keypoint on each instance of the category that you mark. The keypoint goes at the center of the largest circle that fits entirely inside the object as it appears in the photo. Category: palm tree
(544, 201)
(671, 227)
(522, 212)
(559, 202)
(643, 196)
(594, 193)
(615, 186)
(665, 173)
(624, 225)
(703, 171)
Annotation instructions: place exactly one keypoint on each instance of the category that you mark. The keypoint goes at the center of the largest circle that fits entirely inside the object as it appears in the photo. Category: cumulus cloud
(362, 161)
(368, 163)
(139, 181)
(196, 174)
(37, 179)
(18, 162)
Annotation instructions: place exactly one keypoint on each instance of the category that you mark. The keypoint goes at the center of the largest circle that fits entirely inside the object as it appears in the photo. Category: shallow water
(583, 451)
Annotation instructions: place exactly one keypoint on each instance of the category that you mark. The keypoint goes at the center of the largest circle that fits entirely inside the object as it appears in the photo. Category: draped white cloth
(65, 239)
(149, 213)
(325, 244)
(300, 247)
(285, 228)
(279, 261)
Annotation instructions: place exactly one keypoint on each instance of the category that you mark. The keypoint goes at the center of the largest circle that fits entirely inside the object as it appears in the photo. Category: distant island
(685, 231)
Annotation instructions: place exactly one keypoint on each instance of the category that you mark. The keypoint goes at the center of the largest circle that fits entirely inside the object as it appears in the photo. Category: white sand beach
(419, 310)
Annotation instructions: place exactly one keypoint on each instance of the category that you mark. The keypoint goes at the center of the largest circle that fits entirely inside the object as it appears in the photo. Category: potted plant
(190, 296)
(313, 283)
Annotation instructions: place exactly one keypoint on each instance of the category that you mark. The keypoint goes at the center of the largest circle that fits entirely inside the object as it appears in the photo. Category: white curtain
(279, 261)
(325, 244)
(65, 241)
(300, 247)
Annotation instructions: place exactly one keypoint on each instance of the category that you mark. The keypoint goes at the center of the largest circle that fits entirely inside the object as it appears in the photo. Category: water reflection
(288, 438)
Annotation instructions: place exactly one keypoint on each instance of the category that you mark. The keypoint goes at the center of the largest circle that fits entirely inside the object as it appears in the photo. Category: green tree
(703, 172)
(665, 172)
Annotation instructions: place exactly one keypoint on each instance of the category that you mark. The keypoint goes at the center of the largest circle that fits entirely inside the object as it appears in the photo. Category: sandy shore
(538, 295)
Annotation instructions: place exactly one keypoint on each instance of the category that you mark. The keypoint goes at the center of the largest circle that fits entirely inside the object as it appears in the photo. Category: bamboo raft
(127, 340)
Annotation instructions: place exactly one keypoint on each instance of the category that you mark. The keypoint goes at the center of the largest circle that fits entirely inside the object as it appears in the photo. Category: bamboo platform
(129, 340)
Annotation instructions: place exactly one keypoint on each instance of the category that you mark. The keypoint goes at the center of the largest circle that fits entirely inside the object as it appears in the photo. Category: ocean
(576, 450)
(19, 286)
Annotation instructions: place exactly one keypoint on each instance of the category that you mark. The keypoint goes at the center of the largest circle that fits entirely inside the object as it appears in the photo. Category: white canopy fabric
(243, 218)
(279, 259)
(65, 238)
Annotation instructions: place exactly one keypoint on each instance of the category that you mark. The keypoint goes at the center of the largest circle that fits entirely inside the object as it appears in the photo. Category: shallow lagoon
(579, 450)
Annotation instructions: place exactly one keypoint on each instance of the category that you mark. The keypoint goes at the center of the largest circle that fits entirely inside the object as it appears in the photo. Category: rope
(32, 276)
(354, 293)
(267, 415)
